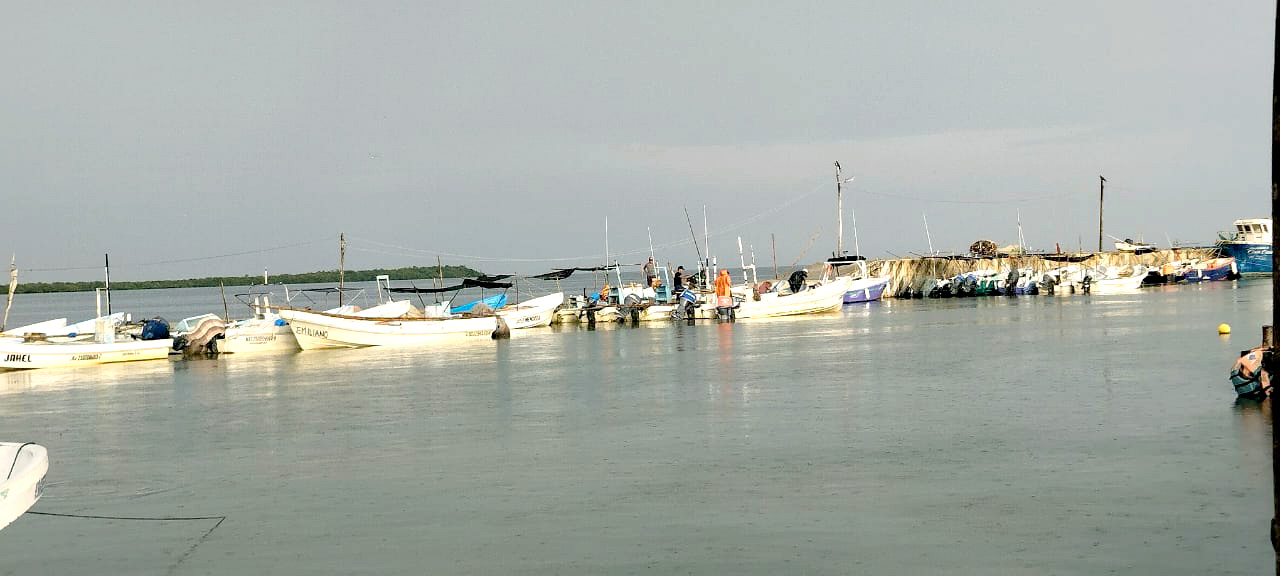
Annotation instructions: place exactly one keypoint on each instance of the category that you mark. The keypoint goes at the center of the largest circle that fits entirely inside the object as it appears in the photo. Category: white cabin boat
(26, 463)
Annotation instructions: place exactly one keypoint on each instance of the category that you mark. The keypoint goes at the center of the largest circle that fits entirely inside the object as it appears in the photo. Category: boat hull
(21, 487)
(814, 300)
(1211, 270)
(1251, 258)
(259, 338)
(866, 290)
(17, 354)
(533, 313)
(317, 330)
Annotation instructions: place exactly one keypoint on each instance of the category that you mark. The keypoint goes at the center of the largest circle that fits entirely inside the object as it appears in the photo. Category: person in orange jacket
(722, 288)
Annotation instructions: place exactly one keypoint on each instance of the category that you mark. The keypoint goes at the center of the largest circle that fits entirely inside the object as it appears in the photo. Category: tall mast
(926, 232)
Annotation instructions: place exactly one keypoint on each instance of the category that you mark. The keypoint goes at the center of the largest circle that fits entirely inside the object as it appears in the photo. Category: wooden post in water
(106, 287)
(774, 243)
(1102, 188)
(1275, 286)
(342, 255)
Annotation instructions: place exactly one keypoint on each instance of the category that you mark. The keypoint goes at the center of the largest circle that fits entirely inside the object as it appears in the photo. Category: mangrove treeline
(322, 277)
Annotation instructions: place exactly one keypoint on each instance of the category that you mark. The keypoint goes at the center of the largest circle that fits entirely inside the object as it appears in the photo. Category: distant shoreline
(322, 277)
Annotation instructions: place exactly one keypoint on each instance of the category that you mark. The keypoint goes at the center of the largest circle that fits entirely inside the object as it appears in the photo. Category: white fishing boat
(315, 330)
(266, 331)
(780, 301)
(813, 299)
(26, 465)
(39, 351)
(1128, 245)
(533, 313)
(1116, 279)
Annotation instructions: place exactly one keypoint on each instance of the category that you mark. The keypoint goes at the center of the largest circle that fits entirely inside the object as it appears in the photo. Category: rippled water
(1032, 435)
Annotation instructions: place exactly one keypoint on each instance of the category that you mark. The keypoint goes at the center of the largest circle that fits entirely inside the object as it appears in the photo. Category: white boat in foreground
(25, 466)
(315, 330)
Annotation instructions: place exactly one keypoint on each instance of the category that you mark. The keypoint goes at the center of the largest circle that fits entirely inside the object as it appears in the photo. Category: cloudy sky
(193, 139)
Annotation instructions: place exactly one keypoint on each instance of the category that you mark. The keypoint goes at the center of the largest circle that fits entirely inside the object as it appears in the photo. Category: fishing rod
(701, 269)
(694, 235)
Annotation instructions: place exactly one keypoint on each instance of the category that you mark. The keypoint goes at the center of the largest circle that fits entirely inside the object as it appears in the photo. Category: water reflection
(93, 376)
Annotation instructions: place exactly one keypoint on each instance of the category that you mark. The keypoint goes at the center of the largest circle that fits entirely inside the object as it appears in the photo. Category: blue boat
(1211, 270)
(1250, 245)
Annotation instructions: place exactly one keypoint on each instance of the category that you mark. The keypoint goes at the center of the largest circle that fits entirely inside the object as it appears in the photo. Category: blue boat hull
(868, 294)
(1250, 258)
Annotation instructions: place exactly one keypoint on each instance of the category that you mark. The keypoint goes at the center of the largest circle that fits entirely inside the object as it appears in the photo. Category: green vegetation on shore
(322, 277)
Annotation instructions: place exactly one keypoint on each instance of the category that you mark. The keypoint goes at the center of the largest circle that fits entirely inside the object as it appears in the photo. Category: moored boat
(1211, 270)
(779, 301)
(316, 330)
(1250, 245)
(47, 352)
(533, 313)
(1248, 375)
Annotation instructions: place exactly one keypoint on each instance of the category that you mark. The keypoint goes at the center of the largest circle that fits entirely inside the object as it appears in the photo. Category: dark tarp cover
(467, 283)
(562, 273)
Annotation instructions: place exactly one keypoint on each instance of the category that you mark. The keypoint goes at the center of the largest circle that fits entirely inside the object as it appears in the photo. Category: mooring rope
(181, 559)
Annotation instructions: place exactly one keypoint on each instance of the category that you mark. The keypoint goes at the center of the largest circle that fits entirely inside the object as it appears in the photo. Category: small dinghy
(26, 465)
(1249, 377)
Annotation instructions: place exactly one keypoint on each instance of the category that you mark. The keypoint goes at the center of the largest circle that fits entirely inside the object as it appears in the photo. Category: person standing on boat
(648, 273)
(677, 283)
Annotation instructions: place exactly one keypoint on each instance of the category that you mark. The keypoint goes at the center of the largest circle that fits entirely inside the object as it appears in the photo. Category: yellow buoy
(1224, 328)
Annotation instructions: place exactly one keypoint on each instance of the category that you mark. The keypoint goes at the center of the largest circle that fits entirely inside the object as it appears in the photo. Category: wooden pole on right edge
(1275, 286)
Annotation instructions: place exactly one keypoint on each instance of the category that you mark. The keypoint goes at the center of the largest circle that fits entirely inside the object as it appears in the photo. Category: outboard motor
(685, 305)
(1048, 282)
(202, 339)
(1011, 282)
(1085, 282)
(726, 313)
(796, 280)
(630, 307)
(155, 329)
(501, 331)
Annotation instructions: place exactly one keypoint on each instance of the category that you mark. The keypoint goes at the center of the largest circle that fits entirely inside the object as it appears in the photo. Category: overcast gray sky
(193, 139)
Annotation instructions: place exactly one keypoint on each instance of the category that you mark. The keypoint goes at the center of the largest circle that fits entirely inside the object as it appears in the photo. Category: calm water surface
(1034, 435)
